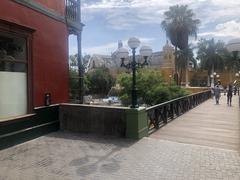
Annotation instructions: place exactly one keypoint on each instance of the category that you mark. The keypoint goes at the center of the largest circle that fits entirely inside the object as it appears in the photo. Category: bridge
(202, 143)
(207, 124)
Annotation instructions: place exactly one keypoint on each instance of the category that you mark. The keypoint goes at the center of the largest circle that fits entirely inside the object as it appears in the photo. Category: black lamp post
(214, 76)
(122, 53)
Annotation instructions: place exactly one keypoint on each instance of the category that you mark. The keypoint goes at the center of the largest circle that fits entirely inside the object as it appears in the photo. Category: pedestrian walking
(235, 90)
(229, 95)
(224, 90)
(217, 93)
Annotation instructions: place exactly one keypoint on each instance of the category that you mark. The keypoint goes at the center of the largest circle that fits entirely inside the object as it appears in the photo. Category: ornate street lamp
(213, 78)
(217, 78)
(122, 53)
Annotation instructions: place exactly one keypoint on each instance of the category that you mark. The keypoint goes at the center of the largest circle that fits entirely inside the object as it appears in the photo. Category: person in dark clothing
(229, 95)
(235, 90)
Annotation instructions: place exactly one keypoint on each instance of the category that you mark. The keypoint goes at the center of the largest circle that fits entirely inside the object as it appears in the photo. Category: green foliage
(74, 84)
(99, 81)
(210, 54)
(151, 88)
(180, 23)
(231, 61)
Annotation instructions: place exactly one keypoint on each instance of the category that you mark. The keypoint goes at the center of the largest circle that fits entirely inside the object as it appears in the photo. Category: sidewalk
(207, 124)
(67, 156)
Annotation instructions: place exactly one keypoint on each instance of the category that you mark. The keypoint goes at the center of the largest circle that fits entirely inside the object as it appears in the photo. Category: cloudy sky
(107, 21)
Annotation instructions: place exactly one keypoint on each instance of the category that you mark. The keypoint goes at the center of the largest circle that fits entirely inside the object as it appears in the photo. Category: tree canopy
(99, 81)
(179, 24)
(151, 88)
(211, 54)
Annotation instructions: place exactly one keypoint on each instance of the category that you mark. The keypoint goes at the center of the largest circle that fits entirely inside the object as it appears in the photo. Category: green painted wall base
(137, 126)
(44, 120)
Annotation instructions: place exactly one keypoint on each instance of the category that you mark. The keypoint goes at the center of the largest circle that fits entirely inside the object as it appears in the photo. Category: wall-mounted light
(47, 99)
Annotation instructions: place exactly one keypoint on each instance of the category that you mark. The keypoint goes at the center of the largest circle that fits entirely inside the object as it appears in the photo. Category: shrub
(99, 81)
(151, 88)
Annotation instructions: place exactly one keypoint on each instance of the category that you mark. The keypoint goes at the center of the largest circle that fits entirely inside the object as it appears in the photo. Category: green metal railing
(161, 114)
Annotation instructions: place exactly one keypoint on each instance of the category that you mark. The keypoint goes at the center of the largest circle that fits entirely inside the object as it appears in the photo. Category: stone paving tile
(68, 156)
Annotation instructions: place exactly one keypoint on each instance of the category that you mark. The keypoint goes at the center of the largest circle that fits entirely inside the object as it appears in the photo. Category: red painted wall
(56, 5)
(49, 51)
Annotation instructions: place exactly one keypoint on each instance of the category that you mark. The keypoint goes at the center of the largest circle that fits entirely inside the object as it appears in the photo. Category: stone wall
(102, 120)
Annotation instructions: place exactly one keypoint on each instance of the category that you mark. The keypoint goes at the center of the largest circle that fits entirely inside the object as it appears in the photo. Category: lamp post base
(134, 97)
(134, 106)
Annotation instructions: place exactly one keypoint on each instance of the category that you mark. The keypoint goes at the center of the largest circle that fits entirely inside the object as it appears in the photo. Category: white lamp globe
(211, 76)
(133, 43)
(233, 45)
(145, 51)
(214, 73)
(122, 53)
(237, 74)
(218, 75)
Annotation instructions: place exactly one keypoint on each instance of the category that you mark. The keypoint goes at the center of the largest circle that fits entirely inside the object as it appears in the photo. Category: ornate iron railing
(73, 10)
(161, 114)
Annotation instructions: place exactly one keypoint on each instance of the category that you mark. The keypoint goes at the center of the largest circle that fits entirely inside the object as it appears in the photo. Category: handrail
(161, 114)
(152, 107)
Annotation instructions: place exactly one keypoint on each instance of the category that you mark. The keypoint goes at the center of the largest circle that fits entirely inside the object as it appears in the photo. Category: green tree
(211, 55)
(99, 81)
(74, 78)
(187, 54)
(180, 24)
(151, 88)
(231, 61)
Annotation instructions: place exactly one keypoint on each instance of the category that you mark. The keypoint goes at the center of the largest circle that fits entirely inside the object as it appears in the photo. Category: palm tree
(211, 55)
(231, 63)
(179, 24)
(185, 56)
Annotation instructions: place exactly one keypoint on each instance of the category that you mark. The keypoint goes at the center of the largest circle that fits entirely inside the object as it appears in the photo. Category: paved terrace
(201, 144)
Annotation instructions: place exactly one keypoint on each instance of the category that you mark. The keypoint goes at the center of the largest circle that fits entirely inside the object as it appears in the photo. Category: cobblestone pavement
(68, 156)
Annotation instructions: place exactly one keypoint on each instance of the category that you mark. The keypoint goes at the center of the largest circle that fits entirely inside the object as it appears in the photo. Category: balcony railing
(73, 10)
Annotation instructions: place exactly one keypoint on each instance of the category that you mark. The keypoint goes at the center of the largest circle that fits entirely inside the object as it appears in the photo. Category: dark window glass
(12, 53)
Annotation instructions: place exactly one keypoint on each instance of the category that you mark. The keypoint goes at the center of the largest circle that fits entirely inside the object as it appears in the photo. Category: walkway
(68, 156)
(208, 124)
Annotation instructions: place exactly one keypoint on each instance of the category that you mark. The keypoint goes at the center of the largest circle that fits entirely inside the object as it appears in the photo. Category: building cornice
(41, 9)
(48, 12)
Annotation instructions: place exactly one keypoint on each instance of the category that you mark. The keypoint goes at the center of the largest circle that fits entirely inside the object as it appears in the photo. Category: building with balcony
(34, 58)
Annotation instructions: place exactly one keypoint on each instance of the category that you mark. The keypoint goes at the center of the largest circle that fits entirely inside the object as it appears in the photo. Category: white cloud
(107, 49)
(126, 14)
(219, 18)
(73, 49)
(227, 29)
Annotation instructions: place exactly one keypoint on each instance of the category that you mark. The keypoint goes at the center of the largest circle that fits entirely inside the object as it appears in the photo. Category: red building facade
(33, 54)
